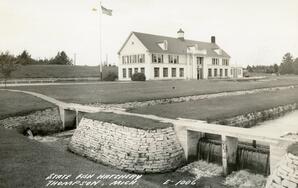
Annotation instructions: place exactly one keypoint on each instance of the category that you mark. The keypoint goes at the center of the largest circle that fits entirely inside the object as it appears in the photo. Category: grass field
(222, 107)
(128, 121)
(13, 104)
(58, 71)
(120, 92)
(26, 163)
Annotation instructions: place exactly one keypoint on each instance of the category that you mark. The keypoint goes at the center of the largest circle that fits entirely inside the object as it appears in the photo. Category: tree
(249, 68)
(286, 66)
(25, 58)
(295, 66)
(61, 59)
(275, 68)
(8, 64)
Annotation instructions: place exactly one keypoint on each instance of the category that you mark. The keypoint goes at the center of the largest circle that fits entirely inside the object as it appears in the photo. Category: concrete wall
(131, 149)
(285, 174)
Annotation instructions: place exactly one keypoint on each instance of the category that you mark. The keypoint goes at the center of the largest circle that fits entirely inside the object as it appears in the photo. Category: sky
(253, 32)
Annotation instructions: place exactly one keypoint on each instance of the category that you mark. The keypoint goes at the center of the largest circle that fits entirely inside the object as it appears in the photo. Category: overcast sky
(251, 31)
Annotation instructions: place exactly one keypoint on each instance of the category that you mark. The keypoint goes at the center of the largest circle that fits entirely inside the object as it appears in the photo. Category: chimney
(213, 39)
(180, 34)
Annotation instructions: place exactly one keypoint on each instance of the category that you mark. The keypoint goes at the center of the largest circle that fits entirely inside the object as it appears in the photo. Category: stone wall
(286, 173)
(130, 149)
(136, 104)
(40, 122)
(251, 119)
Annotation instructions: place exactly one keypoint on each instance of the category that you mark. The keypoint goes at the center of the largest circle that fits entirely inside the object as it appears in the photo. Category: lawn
(222, 107)
(13, 104)
(58, 71)
(120, 92)
(128, 121)
(26, 163)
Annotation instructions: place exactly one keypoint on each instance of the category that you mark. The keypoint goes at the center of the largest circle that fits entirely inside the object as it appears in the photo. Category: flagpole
(100, 42)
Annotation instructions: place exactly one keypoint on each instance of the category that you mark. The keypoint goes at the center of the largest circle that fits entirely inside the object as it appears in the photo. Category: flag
(106, 11)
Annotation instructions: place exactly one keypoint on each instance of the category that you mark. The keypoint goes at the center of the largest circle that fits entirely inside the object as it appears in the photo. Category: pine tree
(286, 67)
(8, 64)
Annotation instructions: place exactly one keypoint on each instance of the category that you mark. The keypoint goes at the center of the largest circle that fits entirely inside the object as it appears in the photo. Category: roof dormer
(218, 51)
(163, 45)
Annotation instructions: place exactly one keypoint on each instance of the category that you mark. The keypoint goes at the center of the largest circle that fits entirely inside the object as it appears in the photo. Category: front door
(200, 74)
(200, 61)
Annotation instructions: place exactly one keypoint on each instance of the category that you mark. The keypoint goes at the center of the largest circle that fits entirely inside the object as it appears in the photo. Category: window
(154, 58)
(160, 58)
(157, 58)
(181, 72)
(141, 58)
(176, 59)
(136, 70)
(165, 72)
(209, 72)
(134, 58)
(171, 59)
(220, 72)
(143, 70)
(126, 59)
(199, 60)
(173, 72)
(215, 72)
(156, 72)
(214, 61)
(225, 62)
(129, 72)
(124, 73)
(226, 72)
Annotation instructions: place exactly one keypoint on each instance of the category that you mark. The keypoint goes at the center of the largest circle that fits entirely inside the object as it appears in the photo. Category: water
(279, 127)
(256, 159)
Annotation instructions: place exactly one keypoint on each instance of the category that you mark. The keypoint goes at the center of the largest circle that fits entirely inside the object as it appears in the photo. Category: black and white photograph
(149, 94)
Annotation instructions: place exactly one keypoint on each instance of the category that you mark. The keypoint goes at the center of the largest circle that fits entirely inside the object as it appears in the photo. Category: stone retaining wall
(137, 104)
(40, 122)
(286, 173)
(130, 149)
(251, 119)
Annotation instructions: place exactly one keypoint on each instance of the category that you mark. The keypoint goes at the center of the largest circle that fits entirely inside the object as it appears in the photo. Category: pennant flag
(106, 11)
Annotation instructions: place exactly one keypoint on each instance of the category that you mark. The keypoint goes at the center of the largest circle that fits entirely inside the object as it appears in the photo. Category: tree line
(288, 65)
(25, 59)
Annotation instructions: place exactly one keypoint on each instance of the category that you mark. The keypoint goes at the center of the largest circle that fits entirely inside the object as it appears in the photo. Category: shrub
(138, 77)
(111, 76)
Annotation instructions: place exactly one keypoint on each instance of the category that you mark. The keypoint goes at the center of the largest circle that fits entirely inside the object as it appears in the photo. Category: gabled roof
(175, 45)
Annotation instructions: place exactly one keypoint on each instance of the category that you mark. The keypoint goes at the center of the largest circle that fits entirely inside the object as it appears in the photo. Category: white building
(161, 57)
